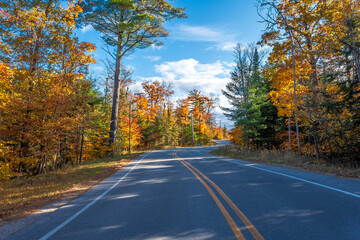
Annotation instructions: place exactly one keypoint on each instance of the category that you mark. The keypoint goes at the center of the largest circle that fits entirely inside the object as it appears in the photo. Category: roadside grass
(286, 158)
(23, 196)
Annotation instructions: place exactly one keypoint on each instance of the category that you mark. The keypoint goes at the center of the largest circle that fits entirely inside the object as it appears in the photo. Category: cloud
(223, 46)
(153, 58)
(189, 74)
(136, 87)
(222, 40)
(130, 68)
(227, 46)
(86, 29)
(196, 33)
(156, 47)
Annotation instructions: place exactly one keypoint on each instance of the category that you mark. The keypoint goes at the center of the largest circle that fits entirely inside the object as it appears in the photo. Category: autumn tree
(183, 120)
(314, 42)
(130, 128)
(159, 122)
(128, 25)
(46, 86)
(342, 28)
(194, 116)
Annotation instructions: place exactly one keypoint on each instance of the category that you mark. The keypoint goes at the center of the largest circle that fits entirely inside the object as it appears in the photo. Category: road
(188, 194)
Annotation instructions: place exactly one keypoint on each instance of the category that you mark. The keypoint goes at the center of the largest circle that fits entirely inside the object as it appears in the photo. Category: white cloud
(136, 87)
(227, 46)
(210, 48)
(189, 74)
(196, 33)
(86, 29)
(223, 46)
(155, 47)
(222, 40)
(130, 68)
(153, 58)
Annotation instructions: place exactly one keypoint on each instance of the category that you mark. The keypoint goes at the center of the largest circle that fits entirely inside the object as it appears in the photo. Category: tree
(299, 21)
(247, 93)
(194, 118)
(237, 90)
(262, 111)
(127, 25)
(343, 29)
(155, 113)
(316, 43)
(47, 94)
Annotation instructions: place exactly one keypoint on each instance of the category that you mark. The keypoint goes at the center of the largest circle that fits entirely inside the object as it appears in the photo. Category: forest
(298, 88)
(52, 111)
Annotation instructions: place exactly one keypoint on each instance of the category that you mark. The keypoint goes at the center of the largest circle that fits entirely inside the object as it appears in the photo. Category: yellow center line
(254, 232)
(227, 216)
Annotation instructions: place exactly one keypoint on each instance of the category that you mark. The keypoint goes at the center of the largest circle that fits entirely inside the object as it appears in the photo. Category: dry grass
(23, 196)
(286, 158)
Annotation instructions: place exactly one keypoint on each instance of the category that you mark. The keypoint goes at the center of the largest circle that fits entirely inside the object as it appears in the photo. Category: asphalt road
(188, 194)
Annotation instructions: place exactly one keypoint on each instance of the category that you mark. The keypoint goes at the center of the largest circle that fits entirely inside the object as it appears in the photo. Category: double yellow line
(254, 232)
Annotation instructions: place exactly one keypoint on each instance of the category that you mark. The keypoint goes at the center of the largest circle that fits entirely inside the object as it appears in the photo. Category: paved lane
(163, 195)
(282, 207)
(159, 199)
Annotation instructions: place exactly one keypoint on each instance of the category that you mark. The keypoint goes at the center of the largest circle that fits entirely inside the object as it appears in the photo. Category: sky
(198, 53)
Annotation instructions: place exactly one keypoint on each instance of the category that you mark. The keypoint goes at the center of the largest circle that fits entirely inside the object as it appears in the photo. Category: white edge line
(49, 234)
(282, 174)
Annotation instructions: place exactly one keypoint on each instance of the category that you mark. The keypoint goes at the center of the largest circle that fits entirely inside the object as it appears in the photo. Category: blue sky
(198, 54)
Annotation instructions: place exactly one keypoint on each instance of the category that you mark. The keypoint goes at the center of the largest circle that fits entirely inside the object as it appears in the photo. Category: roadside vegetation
(55, 114)
(23, 196)
(62, 129)
(296, 97)
(296, 103)
(287, 159)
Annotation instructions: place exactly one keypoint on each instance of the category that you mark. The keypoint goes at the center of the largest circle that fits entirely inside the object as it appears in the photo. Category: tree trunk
(289, 128)
(81, 146)
(313, 62)
(106, 93)
(115, 105)
(295, 99)
(78, 145)
(192, 130)
(355, 55)
(130, 127)
(317, 147)
(246, 126)
(41, 166)
(294, 73)
(247, 139)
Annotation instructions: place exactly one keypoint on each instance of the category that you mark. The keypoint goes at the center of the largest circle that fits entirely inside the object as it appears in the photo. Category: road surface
(189, 194)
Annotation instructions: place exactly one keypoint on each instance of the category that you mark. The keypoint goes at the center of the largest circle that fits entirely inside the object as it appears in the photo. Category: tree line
(305, 95)
(53, 113)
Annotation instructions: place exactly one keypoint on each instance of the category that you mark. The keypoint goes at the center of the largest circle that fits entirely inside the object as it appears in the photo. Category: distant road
(188, 194)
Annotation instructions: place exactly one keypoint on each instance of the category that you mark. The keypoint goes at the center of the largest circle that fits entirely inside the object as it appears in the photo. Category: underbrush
(287, 158)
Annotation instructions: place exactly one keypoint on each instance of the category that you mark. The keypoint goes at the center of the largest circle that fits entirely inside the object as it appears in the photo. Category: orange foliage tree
(327, 63)
(45, 96)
